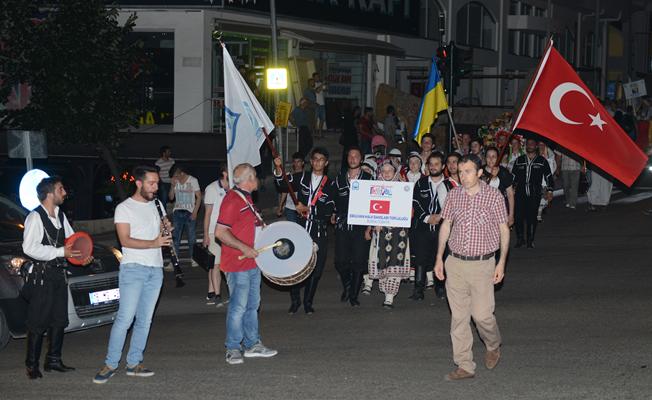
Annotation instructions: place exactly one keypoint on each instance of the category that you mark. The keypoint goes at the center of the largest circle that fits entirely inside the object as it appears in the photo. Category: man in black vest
(428, 200)
(351, 251)
(46, 289)
(315, 208)
(529, 171)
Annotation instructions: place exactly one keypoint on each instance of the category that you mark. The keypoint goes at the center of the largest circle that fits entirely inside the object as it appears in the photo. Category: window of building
(429, 21)
(476, 27)
(526, 9)
(587, 53)
(156, 82)
(539, 12)
(514, 7)
(569, 46)
(513, 41)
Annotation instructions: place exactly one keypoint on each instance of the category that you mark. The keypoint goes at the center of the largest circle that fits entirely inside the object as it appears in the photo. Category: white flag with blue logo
(245, 118)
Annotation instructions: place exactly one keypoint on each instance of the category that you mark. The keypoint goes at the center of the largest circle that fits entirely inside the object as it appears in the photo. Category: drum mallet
(268, 247)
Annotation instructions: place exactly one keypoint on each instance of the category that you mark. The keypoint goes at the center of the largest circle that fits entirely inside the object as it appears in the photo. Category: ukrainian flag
(434, 101)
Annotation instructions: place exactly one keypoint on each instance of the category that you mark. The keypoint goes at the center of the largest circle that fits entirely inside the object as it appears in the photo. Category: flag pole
(275, 155)
(526, 99)
(450, 119)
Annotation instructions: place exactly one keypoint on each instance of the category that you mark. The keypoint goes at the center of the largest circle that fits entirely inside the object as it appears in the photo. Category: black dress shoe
(354, 302)
(57, 366)
(34, 373)
(293, 308)
(308, 309)
(417, 296)
(530, 245)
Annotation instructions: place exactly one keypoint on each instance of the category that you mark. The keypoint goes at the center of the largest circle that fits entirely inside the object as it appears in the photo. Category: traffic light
(462, 63)
(443, 59)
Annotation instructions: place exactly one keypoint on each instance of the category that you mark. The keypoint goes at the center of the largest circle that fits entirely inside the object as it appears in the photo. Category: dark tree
(82, 68)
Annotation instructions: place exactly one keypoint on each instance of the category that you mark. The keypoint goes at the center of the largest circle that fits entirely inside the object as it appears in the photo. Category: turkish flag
(559, 106)
(379, 207)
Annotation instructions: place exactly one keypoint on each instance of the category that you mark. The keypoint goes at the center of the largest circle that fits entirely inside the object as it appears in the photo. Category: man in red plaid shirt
(475, 227)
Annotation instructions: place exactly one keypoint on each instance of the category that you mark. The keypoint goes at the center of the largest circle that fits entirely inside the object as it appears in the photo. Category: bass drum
(293, 260)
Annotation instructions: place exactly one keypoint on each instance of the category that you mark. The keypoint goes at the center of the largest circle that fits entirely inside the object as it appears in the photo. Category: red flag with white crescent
(561, 107)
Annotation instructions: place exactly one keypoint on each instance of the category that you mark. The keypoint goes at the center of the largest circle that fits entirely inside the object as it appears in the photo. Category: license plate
(104, 296)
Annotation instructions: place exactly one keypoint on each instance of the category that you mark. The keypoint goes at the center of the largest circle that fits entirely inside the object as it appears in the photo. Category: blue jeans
(242, 315)
(140, 287)
(181, 219)
(291, 215)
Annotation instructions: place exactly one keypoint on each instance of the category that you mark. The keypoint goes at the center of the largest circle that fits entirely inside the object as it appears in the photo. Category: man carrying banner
(351, 251)
(315, 208)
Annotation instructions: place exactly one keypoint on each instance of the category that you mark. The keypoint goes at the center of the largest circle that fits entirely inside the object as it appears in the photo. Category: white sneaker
(234, 357)
(194, 264)
(259, 350)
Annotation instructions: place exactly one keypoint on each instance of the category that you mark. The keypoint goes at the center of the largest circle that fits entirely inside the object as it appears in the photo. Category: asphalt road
(574, 314)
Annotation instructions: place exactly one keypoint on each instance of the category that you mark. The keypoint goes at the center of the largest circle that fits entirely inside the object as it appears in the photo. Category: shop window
(514, 7)
(156, 78)
(476, 27)
(587, 54)
(513, 42)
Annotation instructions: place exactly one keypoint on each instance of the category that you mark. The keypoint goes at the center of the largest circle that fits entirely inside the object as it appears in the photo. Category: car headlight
(117, 253)
(649, 168)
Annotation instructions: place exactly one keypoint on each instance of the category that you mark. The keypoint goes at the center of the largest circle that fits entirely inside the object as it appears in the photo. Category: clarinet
(178, 273)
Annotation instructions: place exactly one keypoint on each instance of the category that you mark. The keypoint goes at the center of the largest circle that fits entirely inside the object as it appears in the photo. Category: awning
(320, 41)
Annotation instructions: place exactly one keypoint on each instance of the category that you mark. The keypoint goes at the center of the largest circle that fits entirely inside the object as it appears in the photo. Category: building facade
(357, 45)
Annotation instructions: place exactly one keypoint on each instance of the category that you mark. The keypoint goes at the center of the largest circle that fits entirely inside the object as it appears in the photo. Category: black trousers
(310, 284)
(525, 213)
(423, 244)
(305, 140)
(351, 249)
(46, 292)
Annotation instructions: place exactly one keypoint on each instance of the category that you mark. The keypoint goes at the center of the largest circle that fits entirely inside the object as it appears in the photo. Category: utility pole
(272, 14)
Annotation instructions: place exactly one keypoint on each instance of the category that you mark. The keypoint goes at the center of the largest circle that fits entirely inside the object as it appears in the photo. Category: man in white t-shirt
(185, 191)
(164, 165)
(213, 196)
(139, 229)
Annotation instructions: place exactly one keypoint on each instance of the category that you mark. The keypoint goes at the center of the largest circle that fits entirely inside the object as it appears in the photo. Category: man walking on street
(139, 228)
(164, 164)
(236, 229)
(351, 251)
(529, 171)
(475, 227)
(185, 192)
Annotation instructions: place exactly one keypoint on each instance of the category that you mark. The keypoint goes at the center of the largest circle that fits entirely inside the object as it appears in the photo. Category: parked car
(93, 293)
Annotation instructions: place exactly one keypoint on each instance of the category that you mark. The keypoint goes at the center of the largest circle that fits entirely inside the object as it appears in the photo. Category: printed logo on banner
(355, 186)
(379, 207)
(380, 191)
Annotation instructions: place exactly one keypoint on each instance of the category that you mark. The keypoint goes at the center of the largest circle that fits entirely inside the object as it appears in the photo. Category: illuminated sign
(277, 78)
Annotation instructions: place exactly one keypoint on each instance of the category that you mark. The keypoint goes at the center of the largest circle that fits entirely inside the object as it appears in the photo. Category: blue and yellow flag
(434, 101)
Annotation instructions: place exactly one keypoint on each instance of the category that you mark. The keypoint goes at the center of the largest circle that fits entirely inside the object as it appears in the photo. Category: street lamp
(277, 78)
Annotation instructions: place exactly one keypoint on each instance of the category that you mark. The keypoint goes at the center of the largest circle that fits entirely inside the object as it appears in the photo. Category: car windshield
(12, 218)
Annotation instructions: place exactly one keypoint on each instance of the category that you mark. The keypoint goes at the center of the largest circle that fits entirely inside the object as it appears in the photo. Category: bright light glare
(27, 189)
(277, 78)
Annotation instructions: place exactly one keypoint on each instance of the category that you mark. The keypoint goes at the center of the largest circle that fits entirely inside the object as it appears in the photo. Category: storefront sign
(282, 114)
(380, 203)
(339, 81)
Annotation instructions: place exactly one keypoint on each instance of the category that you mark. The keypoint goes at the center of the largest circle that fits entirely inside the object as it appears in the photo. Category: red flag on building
(559, 106)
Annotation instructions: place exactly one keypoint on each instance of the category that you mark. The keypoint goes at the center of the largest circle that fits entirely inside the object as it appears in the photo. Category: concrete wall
(192, 62)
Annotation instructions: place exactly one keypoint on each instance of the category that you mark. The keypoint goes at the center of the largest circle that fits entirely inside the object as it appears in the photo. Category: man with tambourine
(46, 286)
(315, 207)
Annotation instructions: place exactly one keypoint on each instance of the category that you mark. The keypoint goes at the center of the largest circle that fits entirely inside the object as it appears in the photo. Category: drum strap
(320, 191)
(250, 206)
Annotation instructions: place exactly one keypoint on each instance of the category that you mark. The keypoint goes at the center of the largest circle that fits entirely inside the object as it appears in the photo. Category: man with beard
(351, 250)
(315, 209)
(46, 289)
(529, 170)
(428, 201)
(140, 231)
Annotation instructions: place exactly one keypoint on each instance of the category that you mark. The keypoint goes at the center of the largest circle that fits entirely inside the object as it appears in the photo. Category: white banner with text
(380, 203)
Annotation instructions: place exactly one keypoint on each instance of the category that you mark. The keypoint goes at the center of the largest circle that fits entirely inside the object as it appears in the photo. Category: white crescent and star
(376, 206)
(555, 104)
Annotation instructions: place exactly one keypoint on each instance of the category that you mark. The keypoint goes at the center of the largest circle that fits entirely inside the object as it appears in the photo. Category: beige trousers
(470, 291)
